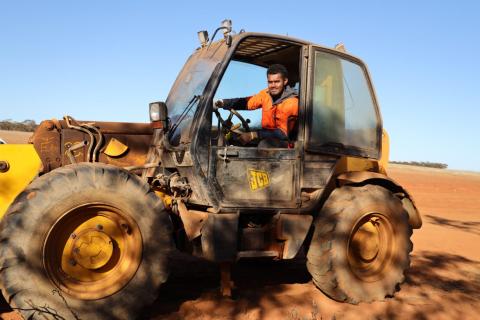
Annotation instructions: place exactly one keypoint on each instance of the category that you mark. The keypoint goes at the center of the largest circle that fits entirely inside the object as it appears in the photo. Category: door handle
(225, 153)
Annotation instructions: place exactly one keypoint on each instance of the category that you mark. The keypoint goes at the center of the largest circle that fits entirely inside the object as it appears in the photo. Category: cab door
(342, 113)
(248, 176)
(252, 177)
(342, 119)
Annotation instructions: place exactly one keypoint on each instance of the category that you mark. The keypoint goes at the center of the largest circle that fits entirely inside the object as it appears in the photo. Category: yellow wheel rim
(370, 246)
(92, 248)
(92, 251)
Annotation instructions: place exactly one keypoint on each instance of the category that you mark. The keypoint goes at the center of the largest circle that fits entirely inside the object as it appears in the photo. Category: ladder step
(257, 254)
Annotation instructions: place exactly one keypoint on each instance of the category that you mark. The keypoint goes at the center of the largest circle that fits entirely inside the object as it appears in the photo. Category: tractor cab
(338, 118)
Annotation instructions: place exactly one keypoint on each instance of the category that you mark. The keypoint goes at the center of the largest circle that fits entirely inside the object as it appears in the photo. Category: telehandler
(93, 210)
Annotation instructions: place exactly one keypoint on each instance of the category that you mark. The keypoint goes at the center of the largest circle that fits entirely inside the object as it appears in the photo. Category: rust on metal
(58, 145)
(226, 283)
(192, 220)
(157, 125)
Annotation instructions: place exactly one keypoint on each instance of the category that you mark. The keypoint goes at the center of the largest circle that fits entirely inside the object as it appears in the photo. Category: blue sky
(106, 60)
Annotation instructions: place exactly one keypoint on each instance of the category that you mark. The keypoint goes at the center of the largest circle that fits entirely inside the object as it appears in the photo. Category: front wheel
(87, 241)
(361, 244)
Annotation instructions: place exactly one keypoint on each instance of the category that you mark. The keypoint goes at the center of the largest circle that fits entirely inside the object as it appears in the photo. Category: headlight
(154, 111)
(159, 115)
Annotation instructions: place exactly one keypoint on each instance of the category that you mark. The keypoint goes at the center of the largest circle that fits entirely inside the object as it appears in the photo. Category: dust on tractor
(92, 210)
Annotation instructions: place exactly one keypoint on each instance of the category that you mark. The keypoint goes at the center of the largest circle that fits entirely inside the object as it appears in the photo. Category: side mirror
(159, 115)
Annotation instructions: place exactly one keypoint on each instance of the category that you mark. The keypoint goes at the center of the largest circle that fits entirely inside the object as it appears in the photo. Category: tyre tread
(321, 252)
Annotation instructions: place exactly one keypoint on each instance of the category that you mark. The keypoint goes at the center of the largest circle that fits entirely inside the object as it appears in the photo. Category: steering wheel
(228, 124)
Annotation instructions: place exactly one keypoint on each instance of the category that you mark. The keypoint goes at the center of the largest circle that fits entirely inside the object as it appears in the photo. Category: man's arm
(247, 103)
(235, 103)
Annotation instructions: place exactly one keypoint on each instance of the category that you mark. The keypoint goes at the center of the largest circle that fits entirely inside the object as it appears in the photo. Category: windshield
(190, 83)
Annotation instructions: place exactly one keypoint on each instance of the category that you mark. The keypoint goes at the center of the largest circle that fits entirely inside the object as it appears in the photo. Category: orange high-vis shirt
(274, 115)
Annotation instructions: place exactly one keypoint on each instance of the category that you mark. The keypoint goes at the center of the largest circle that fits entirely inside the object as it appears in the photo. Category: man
(279, 104)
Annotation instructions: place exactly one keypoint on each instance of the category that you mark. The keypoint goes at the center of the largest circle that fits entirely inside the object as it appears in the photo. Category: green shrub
(422, 164)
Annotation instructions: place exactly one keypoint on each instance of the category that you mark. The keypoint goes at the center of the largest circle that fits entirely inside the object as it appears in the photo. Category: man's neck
(277, 96)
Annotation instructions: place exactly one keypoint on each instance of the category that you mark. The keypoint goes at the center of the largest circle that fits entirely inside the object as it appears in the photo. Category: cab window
(246, 76)
(344, 118)
(242, 80)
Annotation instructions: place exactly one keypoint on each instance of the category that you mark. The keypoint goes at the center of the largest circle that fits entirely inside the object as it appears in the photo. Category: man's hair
(278, 69)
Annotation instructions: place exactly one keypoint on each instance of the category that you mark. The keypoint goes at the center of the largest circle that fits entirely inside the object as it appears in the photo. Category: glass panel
(343, 109)
(190, 84)
(183, 99)
(242, 80)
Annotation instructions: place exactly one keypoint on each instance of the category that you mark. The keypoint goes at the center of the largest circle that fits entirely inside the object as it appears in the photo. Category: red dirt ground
(442, 283)
(14, 136)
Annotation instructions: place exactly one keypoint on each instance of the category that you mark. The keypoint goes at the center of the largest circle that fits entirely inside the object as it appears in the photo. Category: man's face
(276, 83)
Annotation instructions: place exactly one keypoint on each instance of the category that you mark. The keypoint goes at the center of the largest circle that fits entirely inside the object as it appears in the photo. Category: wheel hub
(366, 241)
(92, 249)
(370, 246)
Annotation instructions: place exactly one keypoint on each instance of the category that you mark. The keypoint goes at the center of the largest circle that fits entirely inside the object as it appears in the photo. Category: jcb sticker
(258, 179)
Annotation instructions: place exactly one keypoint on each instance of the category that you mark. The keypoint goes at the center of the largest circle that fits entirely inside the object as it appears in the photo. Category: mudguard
(364, 177)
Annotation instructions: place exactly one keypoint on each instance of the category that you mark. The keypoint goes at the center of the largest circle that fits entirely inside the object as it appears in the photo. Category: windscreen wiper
(182, 116)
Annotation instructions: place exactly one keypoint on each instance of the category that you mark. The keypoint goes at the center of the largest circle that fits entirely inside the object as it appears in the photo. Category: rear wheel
(86, 241)
(361, 244)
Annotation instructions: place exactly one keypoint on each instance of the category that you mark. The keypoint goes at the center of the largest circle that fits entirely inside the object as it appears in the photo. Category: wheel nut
(99, 227)
(73, 236)
(72, 262)
(126, 228)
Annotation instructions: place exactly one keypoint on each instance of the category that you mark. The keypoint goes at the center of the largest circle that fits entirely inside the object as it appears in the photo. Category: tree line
(25, 125)
(422, 164)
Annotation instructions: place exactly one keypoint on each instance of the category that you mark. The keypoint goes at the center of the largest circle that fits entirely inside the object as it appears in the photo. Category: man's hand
(218, 104)
(246, 137)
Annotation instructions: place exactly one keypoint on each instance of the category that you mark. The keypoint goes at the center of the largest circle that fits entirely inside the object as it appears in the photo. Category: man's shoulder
(263, 92)
(291, 103)
(291, 99)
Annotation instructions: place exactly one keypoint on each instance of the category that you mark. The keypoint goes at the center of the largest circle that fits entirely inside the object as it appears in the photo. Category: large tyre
(86, 241)
(361, 244)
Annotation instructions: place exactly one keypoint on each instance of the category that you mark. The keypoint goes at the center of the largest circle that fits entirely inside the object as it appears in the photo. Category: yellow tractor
(93, 210)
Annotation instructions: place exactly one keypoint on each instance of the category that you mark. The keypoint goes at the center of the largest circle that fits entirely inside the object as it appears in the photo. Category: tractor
(92, 211)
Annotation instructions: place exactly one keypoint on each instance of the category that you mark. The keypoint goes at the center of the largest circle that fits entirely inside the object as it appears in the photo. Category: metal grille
(257, 47)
